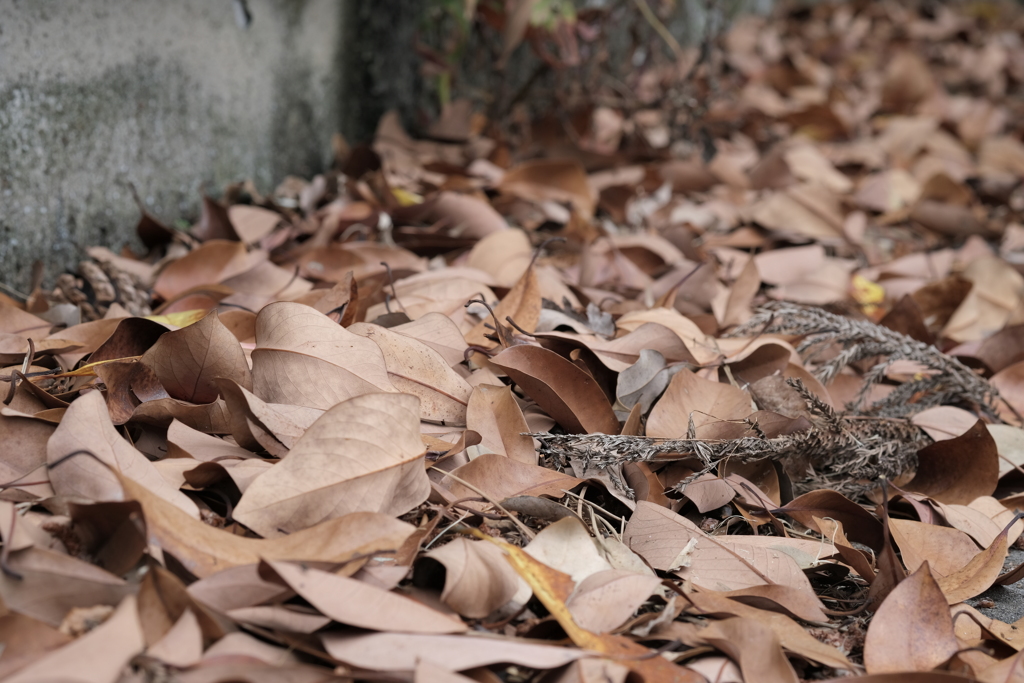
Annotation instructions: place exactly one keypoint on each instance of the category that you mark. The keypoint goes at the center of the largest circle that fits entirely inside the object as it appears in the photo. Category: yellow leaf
(89, 370)
(870, 295)
(553, 588)
(179, 319)
(406, 198)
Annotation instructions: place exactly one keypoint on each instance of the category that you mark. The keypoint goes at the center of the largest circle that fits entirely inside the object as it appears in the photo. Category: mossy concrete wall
(170, 96)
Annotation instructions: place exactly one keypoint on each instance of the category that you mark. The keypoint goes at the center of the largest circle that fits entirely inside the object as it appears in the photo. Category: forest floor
(716, 375)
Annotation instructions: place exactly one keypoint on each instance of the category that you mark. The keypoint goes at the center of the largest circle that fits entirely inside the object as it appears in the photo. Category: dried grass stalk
(950, 382)
(848, 452)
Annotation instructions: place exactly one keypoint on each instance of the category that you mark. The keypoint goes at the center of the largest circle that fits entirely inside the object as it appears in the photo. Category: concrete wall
(171, 96)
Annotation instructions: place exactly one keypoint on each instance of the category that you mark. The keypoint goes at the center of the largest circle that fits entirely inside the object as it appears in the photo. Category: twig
(522, 527)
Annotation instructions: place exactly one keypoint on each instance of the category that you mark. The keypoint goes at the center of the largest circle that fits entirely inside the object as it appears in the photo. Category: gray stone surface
(1009, 600)
(170, 96)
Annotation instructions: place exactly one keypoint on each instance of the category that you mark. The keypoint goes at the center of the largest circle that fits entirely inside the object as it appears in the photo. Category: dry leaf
(357, 603)
(912, 629)
(362, 455)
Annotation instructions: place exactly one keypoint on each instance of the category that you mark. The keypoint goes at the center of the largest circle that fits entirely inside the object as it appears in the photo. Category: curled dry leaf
(558, 180)
(604, 600)
(212, 262)
(670, 542)
(358, 603)
(25, 442)
(946, 550)
(402, 652)
(620, 353)
(571, 396)
(478, 580)
(978, 575)
(912, 629)
(791, 635)
(415, 368)
(256, 424)
(102, 454)
(500, 477)
(494, 414)
(553, 589)
(187, 361)
(438, 332)
(296, 347)
(52, 583)
(857, 522)
(469, 215)
(566, 546)
(754, 647)
(26, 640)
(364, 454)
(960, 469)
(204, 550)
(96, 657)
(522, 304)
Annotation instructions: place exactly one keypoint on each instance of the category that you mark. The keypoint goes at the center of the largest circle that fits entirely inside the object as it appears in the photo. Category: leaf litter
(728, 392)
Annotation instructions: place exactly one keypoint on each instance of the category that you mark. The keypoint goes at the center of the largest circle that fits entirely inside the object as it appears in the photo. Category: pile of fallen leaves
(558, 398)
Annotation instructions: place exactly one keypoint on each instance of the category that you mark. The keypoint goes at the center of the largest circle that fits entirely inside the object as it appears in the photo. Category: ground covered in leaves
(560, 398)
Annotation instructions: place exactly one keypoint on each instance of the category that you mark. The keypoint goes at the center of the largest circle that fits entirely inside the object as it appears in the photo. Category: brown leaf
(86, 426)
(25, 447)
(212, 262)
(357, 603)
(364, 454)
(470, 215)
(182, 645)
(797, 603)
(565, 392)
(978, 575)
(604, 600)
(477, 580)
(622, 352)
(505, 256)
(755, 647)
(438, 332)
(912, 629)
(25, 640)
(501, 477)
(256, 424)
(670, 542)
(553, 588)
(204, 550)
(97, 657)
(690, 397)
(427, 672)
(239, 586)
(187, 360)
(402, 652)
(303, 329)
(494, 414)
(858, 523)
(708, 492)
(251, 223)
(958, 470)
(792, 635)
(52, 583)
(415, 368)
(551, 179)
(946, 550)
(214, 222)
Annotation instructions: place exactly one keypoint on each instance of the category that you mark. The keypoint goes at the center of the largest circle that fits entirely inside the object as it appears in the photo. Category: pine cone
(97, 286)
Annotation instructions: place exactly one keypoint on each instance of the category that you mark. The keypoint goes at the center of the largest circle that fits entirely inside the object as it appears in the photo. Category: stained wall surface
(171, 96)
